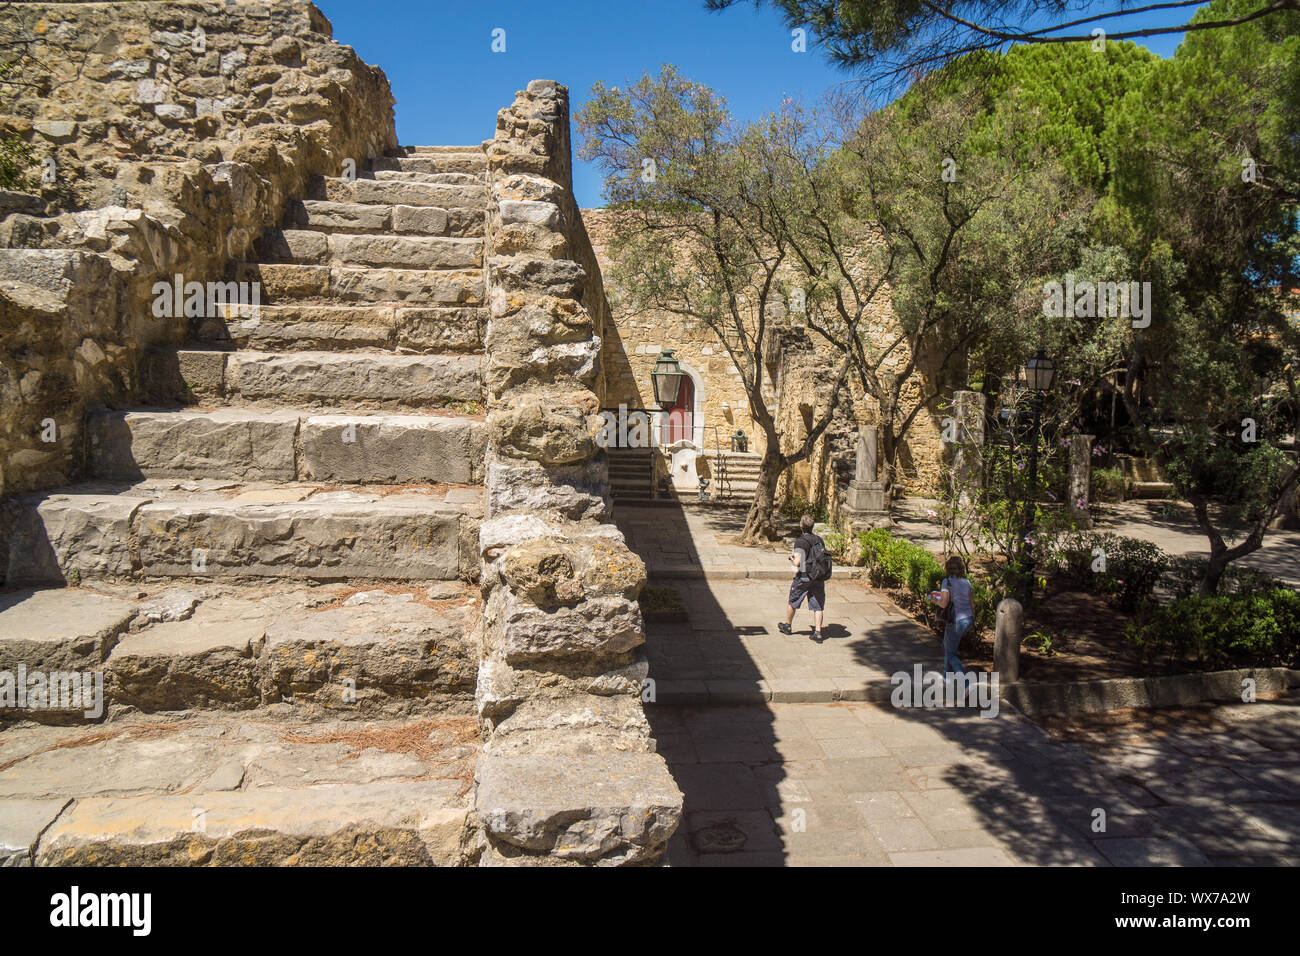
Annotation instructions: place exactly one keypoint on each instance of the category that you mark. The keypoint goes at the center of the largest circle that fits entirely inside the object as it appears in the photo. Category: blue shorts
(815, 591)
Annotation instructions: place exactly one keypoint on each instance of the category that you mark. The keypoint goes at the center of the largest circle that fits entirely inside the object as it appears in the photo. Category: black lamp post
(667, 379)
(1040, 375)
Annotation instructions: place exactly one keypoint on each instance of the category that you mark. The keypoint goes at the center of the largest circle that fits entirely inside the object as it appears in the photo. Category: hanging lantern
(667, 379)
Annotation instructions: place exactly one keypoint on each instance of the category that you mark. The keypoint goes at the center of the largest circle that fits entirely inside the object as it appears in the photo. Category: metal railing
(623, 419)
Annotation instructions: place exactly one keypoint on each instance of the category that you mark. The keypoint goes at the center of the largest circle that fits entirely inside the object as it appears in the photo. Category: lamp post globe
(1040, 373)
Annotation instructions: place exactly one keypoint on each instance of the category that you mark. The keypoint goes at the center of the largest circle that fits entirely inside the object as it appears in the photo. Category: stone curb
(1177, 690)
(1062, 698)
(696, 573)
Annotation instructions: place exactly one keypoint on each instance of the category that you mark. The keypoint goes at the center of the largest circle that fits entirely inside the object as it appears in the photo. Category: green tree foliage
(894, 41)
(720, 223)
(15, 153)
(1204, 195)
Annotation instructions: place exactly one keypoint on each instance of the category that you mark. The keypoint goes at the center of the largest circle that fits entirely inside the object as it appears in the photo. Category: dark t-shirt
(803, 544)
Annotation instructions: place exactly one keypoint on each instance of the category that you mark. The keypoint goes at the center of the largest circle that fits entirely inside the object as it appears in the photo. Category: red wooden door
(679, 424)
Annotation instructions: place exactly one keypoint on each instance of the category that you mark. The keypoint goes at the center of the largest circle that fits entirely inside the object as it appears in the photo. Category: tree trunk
(886, 462)
(1214, 571)
(760, 523)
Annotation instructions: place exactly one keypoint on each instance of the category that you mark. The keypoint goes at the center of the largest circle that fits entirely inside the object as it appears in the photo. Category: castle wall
(177, 132)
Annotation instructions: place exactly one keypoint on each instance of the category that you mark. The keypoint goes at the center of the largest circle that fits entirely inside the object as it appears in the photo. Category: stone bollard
(1006, 640)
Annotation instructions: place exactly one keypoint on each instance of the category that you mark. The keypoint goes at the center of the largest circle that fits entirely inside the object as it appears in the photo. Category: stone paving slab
(789, 753)
(729, 650)
(839, 783)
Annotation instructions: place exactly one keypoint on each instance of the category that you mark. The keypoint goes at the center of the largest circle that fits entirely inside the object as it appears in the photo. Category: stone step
(220, 789)
(446, 179)
(257, 444)
(389, 192)
(435, 150)
(206, 529)
(286, 283)
(1150, 489)
(466, 162)
(332, 649)
(382, 379)
(343, 217)
(309, 247)
(312, 327)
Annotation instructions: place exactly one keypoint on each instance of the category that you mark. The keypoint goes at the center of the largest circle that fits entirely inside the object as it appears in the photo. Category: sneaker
(784, 628)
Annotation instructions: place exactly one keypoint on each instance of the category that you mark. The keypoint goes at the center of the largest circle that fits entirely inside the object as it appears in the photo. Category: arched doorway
(679, 418)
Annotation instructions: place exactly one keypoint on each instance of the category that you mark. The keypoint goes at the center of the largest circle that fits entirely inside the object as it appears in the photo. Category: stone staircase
(631, 473)
(1142, 479)
(288, 530)
(742, 468)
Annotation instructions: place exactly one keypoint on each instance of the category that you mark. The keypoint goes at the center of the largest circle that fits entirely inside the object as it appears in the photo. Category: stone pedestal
(864, 506)
(966, 453)
(1079, 479)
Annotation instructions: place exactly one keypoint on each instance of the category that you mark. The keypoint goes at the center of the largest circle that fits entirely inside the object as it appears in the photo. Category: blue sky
(449, 84)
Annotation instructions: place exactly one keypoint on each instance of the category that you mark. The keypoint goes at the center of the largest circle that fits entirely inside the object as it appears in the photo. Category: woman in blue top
(954, 590)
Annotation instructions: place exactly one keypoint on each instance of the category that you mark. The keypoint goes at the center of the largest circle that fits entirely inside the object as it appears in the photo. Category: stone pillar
(1288, 510)
(968, 450)
(562, 670)
(1080, 479)
(864, 504)
(1006, 640)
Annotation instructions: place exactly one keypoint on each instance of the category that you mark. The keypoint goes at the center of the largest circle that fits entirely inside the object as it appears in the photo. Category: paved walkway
(680, 542)
(783, 760)
(730, 651)
(861, 784)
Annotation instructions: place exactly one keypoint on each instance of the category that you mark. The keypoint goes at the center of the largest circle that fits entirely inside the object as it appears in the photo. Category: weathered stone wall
(569, 773)
(169, 159)
(632, 343)
(634, 339)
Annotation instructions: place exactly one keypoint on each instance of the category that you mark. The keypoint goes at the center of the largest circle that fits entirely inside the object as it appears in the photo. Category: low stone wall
(1176, 690)
(569, 773)
(177, 132)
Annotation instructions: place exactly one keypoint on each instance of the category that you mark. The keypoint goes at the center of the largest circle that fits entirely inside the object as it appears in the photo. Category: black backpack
(818, 560)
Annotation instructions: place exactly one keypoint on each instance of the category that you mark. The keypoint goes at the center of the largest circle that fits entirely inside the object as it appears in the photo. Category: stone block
(230, 443)
(324, 540)
(606, 809)
(208, 661)
(359, 377)
(392, 448)
(65, 538)
(392, 823)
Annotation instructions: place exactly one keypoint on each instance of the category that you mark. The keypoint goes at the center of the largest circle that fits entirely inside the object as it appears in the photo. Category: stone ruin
(341, 558)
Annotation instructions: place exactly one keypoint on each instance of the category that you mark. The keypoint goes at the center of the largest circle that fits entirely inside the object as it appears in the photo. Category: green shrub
(1107, 484)
(796, 506)
(1132, 570)
(984, 602)
(1134, 567)
(1252, 630)
(897, 562)
(835, 542)
(1184, 575)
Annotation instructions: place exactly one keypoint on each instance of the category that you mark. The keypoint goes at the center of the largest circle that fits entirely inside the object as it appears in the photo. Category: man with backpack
(812, 570)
